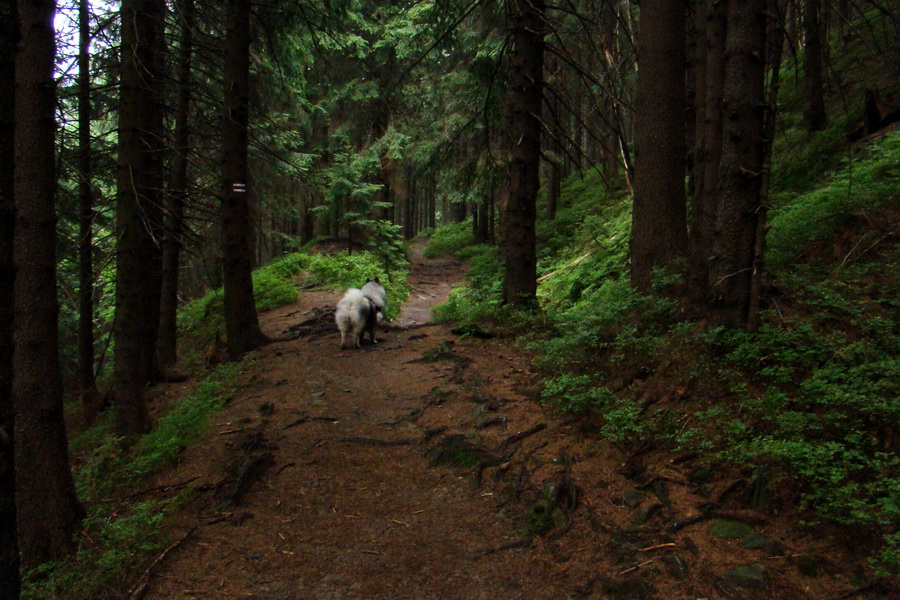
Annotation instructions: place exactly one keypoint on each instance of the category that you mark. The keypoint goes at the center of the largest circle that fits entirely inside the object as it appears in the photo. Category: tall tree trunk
(87, 386)
(409, 204)
(814, 106)
(178, 191)
(47, 510)
(710, 85)
(138, 213)
(241, 320)
(9, 550)
(659, 222)
(773, 64)
(737, 192)
(524, 151)
(553, 168)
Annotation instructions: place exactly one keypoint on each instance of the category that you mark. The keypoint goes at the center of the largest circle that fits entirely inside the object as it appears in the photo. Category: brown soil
(423, 468)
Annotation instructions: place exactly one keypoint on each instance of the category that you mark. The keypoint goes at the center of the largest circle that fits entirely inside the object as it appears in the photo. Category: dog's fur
(374, 291)
(357, 314)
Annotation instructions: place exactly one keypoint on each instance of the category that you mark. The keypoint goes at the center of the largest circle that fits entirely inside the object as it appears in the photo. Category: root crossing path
(424, 468)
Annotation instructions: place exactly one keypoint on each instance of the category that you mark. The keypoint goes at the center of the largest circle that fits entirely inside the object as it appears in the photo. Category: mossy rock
(749, 577)
(644, 514)
(807, 565)
(632, 498)
(729, 530)
(756, 541)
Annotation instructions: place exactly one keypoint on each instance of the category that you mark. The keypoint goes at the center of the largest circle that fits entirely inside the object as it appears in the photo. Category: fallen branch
(518, 437)
(636, 567)
(367, 441)
(307, 418)
(140, 588)
(668, 546)
(564, 267)
(157, 488)
(523, 543)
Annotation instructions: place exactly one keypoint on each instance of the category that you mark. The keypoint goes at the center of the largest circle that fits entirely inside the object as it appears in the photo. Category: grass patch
(450, 239)
(110, 466)
(345, 270)
(120, 536)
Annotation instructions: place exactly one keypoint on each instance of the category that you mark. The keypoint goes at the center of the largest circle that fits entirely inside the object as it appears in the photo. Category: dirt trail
(321, 481)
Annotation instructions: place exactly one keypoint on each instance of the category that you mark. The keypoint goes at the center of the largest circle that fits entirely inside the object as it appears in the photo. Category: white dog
(357, 314)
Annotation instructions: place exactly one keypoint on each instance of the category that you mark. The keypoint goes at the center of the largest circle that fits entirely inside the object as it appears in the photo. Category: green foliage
(575, 393)
(586, 245)
(122, 536)
(200, 320)
(346, 270)
(116, 546)
(829, 402)
(479, 300)
(450, 239)
(861, 185)
(611, 321)
(108, 465)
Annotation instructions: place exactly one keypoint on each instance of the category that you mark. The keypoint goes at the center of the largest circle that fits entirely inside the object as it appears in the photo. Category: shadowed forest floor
(423, 467)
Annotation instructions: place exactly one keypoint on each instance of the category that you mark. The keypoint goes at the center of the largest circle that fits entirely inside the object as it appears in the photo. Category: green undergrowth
(344, 270)
(850, 197)
(124, 528)
(202, 319)
(274, 285)
(115, 547)
(450, 239)
(813, 395)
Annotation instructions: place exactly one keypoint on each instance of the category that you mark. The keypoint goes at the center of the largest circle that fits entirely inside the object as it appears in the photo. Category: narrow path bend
(347, 504)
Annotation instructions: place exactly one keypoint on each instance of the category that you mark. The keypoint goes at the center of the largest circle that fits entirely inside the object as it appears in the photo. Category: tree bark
(659, 222)
(138, 213)
(241, 320)
(814, 116)
(524, 150)
(553, 168)
(178, 191)
(710, 86)
(737, 191)
(47, 510)
(9, 551)
(773, 64)
(87, 386)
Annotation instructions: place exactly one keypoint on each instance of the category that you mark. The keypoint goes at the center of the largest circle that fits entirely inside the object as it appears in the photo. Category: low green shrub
(450, 239)
(115, 548)
(109, 465)
(122, 535)
(861, 184)
(200, 320)
(345, 270)
(480, 298)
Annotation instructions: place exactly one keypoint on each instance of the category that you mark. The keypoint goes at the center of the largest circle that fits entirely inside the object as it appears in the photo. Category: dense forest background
(683, 194)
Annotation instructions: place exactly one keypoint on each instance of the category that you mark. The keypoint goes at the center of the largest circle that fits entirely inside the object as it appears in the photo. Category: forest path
(419, 468)
(347, 504)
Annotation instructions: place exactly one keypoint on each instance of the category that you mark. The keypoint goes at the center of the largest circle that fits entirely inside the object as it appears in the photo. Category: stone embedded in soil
(644, 514)
(676, 566)
(807, 565)
(729, 530)
(749, 577)
(701, 476)
(756, 541)
(632, 498)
